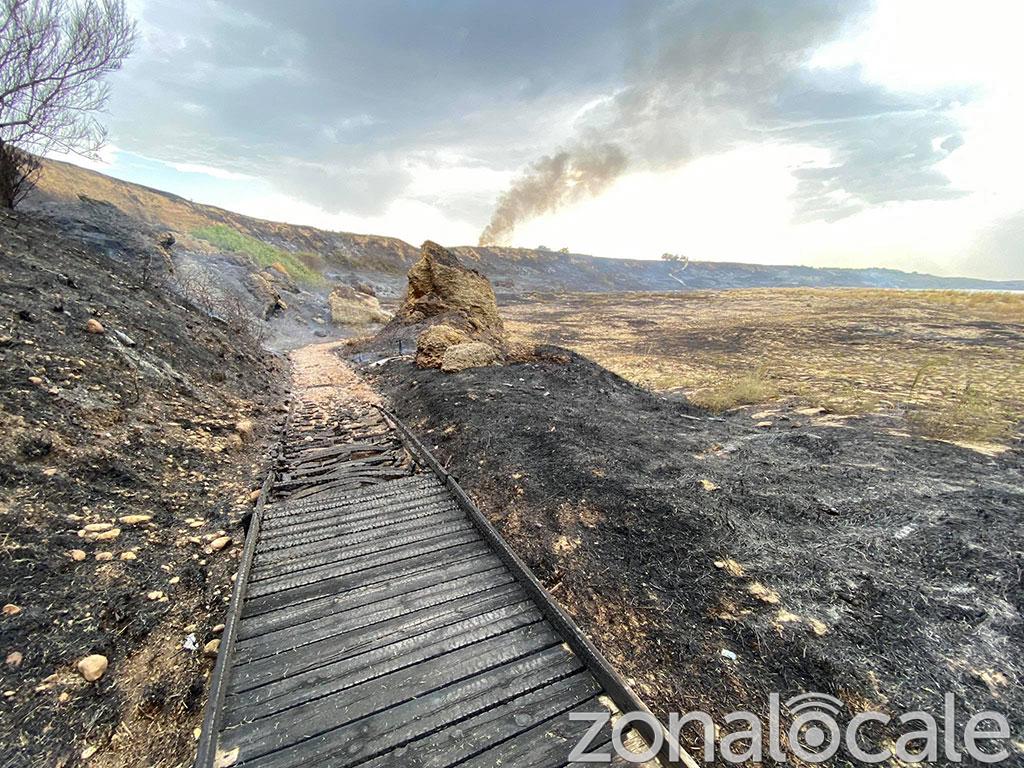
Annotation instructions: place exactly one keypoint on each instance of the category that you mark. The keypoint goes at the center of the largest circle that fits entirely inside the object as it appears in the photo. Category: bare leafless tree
(54, 57)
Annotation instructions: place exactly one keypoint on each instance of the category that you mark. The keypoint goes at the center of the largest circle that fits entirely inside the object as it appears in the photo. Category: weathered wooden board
(376, 626)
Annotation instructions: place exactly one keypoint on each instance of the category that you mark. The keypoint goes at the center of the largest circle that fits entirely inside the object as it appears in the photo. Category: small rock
(156, 594)
(14, 659)
(135, 519)
(35, 380)
(243, 428)
(78, 555)
(124, 338)
(211, 648)
(254, 496)
(218, 629)
(174, 580)
(727, 654)
(88, 752)
(219, 543)
(94, 326)
(93, 667)
(104, 556)
(763, 424)
(815, 411)
(97, 527)
(11, 610)
(113, 533)
(129, 555)
(707, 485)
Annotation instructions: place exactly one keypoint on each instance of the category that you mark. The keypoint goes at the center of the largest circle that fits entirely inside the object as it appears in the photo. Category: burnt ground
(829, 553)
(139, 420)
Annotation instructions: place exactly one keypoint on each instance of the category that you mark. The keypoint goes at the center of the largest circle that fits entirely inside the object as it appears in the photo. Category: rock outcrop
(352, 307)
(450, 312)
(434, 342)
(473, 354)
(442, 290)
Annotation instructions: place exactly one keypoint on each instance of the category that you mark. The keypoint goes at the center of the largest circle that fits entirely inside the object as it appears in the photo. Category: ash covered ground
(828, 553)
(133, 428)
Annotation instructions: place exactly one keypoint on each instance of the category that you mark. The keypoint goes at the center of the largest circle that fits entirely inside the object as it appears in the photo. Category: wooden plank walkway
(378, 621)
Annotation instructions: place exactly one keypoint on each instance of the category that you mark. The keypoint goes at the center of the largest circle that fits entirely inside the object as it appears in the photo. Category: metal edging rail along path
(206, 749)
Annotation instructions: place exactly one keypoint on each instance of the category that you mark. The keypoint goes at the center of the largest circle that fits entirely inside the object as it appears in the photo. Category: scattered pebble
(11, 610)
(707, 485)
(243, 428)
(97, 527)
(218, 629)
(78, 555)
(135, 519)
(763, 593)
(14, 659)
(156, 594)
(93, 667)
(88, 752)
(211, 648)
(94, 326)
(219, 543)
(726, 653)
(129, 555)
(104, 556)
(113, 533)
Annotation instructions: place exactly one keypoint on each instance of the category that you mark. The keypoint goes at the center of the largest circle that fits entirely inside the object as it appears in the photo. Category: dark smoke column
(550, 183)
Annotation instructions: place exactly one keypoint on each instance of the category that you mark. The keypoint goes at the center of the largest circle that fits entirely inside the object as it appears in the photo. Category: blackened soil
(828, 554)
(95, 428)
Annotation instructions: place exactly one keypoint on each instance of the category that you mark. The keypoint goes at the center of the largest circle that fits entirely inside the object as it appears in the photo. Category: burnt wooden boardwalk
(378, 621)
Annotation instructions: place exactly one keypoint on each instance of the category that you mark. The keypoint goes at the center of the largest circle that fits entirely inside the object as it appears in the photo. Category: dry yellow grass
(951, 362)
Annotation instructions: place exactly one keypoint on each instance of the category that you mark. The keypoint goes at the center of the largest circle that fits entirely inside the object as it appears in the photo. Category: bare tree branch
(54, 56)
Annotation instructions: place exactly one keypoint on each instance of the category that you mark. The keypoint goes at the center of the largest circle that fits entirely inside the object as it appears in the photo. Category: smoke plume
(702, 76)
(550, 183)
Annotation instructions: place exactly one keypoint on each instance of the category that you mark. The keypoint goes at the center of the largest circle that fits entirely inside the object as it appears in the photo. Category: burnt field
(948, 364)
(829, 552)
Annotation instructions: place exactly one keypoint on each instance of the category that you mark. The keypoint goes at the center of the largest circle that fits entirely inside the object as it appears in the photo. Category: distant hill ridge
(512, 270)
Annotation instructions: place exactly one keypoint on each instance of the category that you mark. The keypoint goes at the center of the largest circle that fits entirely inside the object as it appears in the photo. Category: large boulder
(446, 305)
(432, 344)
(472, 354)
(352, 307)
(442, 289)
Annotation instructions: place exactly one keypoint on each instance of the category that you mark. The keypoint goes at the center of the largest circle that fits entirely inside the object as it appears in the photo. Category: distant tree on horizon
(54, 57)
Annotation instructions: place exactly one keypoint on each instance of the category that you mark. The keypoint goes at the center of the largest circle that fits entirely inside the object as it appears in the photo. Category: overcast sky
(798, 131)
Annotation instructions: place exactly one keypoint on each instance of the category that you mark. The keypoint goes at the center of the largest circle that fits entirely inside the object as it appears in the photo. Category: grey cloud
(327, 99)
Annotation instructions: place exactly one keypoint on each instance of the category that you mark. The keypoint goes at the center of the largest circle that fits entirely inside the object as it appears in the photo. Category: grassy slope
(298, 265)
